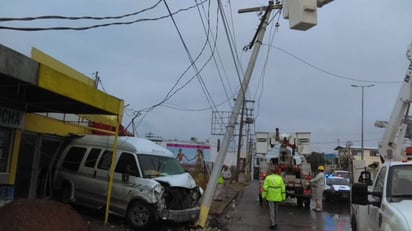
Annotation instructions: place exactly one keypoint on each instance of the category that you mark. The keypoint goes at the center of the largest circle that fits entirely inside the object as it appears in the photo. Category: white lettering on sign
(11, 118)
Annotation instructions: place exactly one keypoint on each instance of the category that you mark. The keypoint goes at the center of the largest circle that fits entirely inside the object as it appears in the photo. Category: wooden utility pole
(211, 187)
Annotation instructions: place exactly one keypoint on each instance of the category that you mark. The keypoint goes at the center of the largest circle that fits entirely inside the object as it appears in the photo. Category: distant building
(370, 154)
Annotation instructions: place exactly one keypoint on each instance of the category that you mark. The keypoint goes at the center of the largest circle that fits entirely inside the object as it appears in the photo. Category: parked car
(336, 188)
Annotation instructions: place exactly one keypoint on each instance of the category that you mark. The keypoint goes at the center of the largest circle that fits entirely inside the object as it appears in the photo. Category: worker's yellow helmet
(321, 168)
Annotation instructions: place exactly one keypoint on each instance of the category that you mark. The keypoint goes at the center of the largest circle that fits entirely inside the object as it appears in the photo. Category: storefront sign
(11, 118)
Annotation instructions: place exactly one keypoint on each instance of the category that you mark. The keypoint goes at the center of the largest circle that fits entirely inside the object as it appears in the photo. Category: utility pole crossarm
(254, 9)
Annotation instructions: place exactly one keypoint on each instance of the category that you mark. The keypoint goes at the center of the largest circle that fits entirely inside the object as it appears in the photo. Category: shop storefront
(10, 121)
(32, 90)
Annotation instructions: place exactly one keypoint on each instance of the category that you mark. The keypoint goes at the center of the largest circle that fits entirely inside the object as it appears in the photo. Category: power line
(215, 51)
(266, 61)
(192, 109)
(193, 62)
(230, 39)
(174, 90)
(79, 18)
(27, 29)
(328, 72)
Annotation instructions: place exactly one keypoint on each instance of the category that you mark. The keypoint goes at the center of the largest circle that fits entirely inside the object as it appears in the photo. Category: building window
(374, 153)
(5, 142)
(355, 152)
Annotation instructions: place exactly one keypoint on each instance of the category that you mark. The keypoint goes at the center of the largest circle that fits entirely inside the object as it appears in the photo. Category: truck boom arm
(390, 147)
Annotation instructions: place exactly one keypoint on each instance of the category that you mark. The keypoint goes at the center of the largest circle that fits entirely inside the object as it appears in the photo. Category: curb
(218, 207)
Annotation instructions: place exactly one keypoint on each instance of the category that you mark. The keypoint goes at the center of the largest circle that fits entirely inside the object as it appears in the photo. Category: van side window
(73, 158)
(105, 160)
(127, 164)
(92, 158)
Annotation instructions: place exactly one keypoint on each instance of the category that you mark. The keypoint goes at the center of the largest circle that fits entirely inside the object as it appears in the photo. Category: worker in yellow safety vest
(274, 191)
(222, 181)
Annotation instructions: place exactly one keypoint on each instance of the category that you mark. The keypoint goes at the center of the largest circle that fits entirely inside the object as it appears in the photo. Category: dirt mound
(40, 215)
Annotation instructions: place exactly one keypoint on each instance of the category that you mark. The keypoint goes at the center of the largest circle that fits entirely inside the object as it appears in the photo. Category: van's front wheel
(139, 215)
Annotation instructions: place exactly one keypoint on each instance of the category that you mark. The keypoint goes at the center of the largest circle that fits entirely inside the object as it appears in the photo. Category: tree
(315, 159)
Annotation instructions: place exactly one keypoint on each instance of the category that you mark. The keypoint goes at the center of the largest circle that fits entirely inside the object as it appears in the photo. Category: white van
(148, 182)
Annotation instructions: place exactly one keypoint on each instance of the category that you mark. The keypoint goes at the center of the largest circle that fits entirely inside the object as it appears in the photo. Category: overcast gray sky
(301, 82)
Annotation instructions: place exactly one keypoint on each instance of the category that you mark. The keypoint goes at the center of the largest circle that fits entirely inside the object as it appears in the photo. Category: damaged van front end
(181, 198)
(175, 196)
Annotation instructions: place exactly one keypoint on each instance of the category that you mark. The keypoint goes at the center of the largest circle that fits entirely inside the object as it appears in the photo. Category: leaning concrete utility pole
(211, 186)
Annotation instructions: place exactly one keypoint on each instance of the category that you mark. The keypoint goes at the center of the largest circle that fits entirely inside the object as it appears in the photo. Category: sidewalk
(240, 219)
(218, 207)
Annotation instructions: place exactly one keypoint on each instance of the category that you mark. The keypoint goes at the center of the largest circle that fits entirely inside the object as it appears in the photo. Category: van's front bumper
(181, 216)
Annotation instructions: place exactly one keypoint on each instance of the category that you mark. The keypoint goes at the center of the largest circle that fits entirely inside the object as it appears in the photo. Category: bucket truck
(386, 204)
(296, 172)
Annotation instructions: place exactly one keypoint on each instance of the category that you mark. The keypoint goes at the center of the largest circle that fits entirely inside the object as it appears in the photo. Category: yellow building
(42, 102)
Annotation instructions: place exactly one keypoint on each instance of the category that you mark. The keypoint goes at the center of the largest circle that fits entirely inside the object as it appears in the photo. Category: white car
(336, 188)
(341, 173)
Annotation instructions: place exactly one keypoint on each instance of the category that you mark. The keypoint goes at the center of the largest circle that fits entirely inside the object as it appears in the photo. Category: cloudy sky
(173, 72)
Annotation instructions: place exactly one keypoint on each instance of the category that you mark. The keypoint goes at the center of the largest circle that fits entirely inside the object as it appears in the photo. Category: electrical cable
(193, 64)
(328, 72)
(173, 90)
(266, 61)
(229, 37)
(215, 51)
(79, 18)
(97, 25)
(198, 109)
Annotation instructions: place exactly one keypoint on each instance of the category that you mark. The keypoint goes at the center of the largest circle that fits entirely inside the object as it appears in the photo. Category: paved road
(245, 214)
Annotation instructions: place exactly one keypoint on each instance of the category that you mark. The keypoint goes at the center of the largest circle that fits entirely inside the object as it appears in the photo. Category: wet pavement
(245, 214)
(241, 211)
(216, 222)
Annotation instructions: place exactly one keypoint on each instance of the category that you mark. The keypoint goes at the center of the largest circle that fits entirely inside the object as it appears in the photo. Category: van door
(126, 175)
(71, 170)
(91, 187)
(101, 178)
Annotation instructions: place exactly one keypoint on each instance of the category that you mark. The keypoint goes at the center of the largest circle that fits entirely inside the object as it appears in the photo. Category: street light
(363, 87)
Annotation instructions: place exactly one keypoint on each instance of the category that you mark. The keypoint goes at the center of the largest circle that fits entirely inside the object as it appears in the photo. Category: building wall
(29, 140)
(370, 156)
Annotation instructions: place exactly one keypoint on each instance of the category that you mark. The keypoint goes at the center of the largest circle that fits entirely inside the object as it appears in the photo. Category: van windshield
(155, 166)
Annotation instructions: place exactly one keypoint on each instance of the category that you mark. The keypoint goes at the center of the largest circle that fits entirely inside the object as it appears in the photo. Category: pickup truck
(387, 203)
